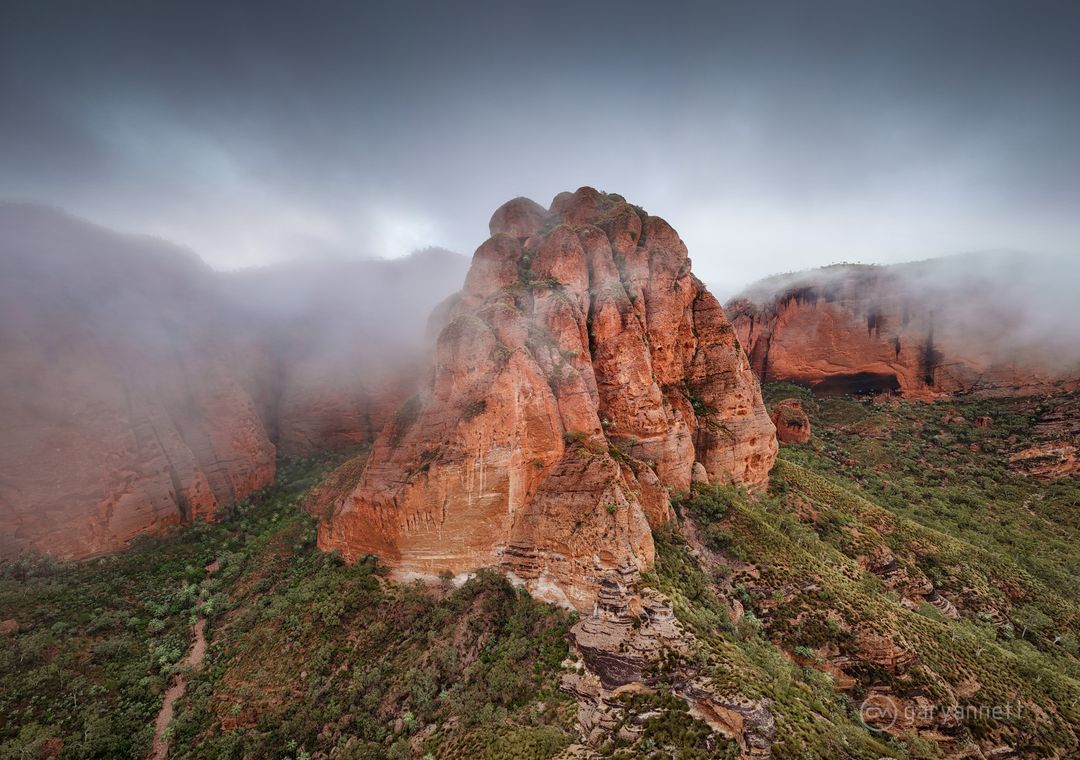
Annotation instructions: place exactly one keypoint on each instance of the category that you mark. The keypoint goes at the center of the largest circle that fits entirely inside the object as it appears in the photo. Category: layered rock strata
(622, 649)
(1057, 441)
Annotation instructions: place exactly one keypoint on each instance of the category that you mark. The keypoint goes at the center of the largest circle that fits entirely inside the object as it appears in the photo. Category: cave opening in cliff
(858, 384)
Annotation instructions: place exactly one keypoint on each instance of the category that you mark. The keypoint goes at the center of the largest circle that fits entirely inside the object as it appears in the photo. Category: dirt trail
(193, 659)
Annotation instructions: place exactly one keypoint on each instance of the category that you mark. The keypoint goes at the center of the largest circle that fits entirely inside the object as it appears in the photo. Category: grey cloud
(772, 136)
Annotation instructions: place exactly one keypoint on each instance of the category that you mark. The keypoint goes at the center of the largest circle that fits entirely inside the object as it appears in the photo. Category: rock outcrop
(1046, 461)
(936, 327)
(583, 372)
(1057, 441)
(623, 648)
(792, 424)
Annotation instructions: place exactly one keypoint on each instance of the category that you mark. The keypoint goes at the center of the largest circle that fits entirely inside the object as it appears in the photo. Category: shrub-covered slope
(897, 584)
(307, 655)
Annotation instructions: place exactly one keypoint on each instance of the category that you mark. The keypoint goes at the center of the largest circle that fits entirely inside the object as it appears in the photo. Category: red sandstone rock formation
(140, 390)
(963, 324)
(792, 424)
(583, 372)
(1057, 441)
(1046, 461)
(125, 410)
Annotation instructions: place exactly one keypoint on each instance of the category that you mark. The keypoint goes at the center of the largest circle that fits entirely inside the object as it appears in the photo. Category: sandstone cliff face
(919, 329)
(140, 390)
(583, 372)
(124, 409)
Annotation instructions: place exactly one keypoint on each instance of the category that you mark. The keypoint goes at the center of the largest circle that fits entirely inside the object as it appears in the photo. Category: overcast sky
(773, 136)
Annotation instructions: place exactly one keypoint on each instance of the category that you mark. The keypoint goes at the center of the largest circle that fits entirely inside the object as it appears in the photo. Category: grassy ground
(919, 483)
(930, 463)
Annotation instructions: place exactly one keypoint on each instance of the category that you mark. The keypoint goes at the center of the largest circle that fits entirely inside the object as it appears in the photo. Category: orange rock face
(792, 424)
(125, 410)
(140, 390)
(583, 372)
(916, 329)
(1047, 461)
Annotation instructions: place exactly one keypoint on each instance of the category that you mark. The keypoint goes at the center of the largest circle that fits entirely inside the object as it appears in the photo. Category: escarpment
(583, 372)
(141, 390)
(966, 324)
(126, 408)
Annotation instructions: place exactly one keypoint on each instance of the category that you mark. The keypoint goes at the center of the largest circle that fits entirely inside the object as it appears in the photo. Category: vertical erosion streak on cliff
(765, 360)
(931, 357)
(575, 345)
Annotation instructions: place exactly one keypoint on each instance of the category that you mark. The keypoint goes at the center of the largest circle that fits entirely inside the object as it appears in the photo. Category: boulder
(792, 424)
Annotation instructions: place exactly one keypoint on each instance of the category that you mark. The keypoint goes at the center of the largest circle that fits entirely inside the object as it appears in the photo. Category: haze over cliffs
(995, 323)
(583, 372)
(143, 390)
(348, 340)
(139, 389)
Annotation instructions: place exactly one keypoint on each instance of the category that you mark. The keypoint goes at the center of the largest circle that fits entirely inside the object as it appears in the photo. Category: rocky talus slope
(583, 372)
(622, 649)
(970, 323)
